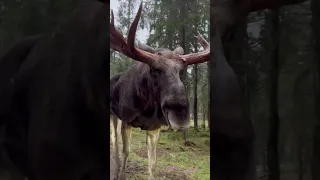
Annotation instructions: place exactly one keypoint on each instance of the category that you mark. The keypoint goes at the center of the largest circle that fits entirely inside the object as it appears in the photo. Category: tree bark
(184, 72)
(300, 158)
(195, 94)
(272, 145)
(195, 98)
(316, 139)
(209, 104)
(203, 119)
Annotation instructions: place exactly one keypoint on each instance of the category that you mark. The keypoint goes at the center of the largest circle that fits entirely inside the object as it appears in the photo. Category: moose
(150, 94)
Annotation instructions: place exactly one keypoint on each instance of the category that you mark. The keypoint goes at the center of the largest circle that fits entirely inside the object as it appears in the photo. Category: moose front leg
(114, 140)
(152, 141)
(126, 131)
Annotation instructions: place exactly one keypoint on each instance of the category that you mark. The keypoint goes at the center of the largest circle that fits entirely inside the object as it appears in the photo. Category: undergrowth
(174, 159)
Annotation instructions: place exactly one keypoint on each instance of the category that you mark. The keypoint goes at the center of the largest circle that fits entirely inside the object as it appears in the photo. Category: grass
(174, 159)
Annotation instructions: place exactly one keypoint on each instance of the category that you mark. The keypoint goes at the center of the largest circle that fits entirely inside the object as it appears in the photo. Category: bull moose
(150, 93)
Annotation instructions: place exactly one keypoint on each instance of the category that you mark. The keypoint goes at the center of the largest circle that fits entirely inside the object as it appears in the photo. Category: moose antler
(119, 43)
(126, 47)
(199, 57)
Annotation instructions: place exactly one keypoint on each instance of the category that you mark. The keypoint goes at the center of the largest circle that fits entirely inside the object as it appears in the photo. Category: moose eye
(181, 72)
(155, 71)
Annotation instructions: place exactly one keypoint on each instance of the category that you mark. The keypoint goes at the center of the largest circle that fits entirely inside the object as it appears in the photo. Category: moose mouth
(177, 116)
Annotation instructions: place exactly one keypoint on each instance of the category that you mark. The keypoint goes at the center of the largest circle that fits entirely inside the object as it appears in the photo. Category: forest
(166, 25)
(275, 54)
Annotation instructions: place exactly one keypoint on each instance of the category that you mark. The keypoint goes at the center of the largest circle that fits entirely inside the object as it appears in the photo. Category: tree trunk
(265, 156)
(203, 118)
(183, 45)
(316, 139)
(184, 72)
(209, 89)
(272, 145)
(128, 16)
(195, 93)
(195, 98)
(300, 158)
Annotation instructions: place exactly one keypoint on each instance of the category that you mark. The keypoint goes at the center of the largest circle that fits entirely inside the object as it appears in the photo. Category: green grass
(174, 159)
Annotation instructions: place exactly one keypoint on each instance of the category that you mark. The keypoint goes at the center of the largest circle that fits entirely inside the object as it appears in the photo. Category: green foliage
(167, 18)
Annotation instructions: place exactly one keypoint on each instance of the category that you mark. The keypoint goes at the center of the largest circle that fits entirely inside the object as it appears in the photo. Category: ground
(175, 160)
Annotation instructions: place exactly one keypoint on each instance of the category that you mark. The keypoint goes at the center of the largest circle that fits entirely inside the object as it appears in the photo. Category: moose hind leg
(126, 131)
(152, 141)
(115, 144)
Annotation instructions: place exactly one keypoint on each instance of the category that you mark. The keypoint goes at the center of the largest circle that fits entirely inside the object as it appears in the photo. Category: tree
(316, 60)
(195, 97)
(272, 145)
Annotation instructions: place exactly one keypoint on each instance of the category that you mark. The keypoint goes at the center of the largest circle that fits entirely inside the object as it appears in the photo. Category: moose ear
(145, 47)
(179, 50)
